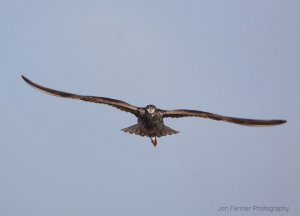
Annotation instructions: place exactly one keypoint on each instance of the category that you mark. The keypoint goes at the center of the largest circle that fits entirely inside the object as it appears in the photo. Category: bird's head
(150, 109)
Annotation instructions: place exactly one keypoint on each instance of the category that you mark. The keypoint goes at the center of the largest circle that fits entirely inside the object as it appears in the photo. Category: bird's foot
(154, 141)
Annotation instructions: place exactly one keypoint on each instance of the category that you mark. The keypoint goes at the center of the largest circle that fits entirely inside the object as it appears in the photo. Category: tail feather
(134, 129)
(167, 131)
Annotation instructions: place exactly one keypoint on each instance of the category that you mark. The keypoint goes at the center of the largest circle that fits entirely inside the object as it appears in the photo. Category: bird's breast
(150, 123)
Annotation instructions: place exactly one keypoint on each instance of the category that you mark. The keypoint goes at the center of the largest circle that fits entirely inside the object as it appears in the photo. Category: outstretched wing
(102, 100)
(241, 121)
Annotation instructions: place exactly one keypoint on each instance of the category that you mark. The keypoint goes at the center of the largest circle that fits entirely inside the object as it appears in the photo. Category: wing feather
(101, 100)
(242, 121)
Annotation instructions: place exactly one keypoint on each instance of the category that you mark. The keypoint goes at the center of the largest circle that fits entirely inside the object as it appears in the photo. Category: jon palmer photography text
(254, 208)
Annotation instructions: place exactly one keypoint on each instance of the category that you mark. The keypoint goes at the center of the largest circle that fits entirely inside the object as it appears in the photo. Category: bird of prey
(150, 119)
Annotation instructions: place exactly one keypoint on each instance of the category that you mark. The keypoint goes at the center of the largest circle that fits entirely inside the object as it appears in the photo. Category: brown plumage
(150, 119)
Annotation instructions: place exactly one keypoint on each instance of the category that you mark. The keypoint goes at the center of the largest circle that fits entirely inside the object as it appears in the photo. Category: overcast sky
(66, 157)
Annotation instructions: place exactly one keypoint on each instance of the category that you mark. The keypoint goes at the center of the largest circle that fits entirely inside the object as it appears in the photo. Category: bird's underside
(150, 119)
(137, 130)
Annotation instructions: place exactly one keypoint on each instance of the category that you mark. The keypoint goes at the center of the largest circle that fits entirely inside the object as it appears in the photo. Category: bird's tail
(134, 129)
(166, 131)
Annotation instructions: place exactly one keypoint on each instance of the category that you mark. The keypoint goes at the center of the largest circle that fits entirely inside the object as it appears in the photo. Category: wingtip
(278, 122)
(24, 78)
(282, 121)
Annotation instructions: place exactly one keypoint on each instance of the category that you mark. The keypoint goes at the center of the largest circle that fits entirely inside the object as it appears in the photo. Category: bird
(150, 119)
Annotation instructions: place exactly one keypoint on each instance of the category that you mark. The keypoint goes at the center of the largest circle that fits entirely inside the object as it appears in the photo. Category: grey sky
(64, 157)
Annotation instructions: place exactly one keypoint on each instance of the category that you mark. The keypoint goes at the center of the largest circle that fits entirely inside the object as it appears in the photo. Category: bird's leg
(154, 141)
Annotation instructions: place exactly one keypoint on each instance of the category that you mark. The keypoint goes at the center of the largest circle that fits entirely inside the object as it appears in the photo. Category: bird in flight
(150, 119)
